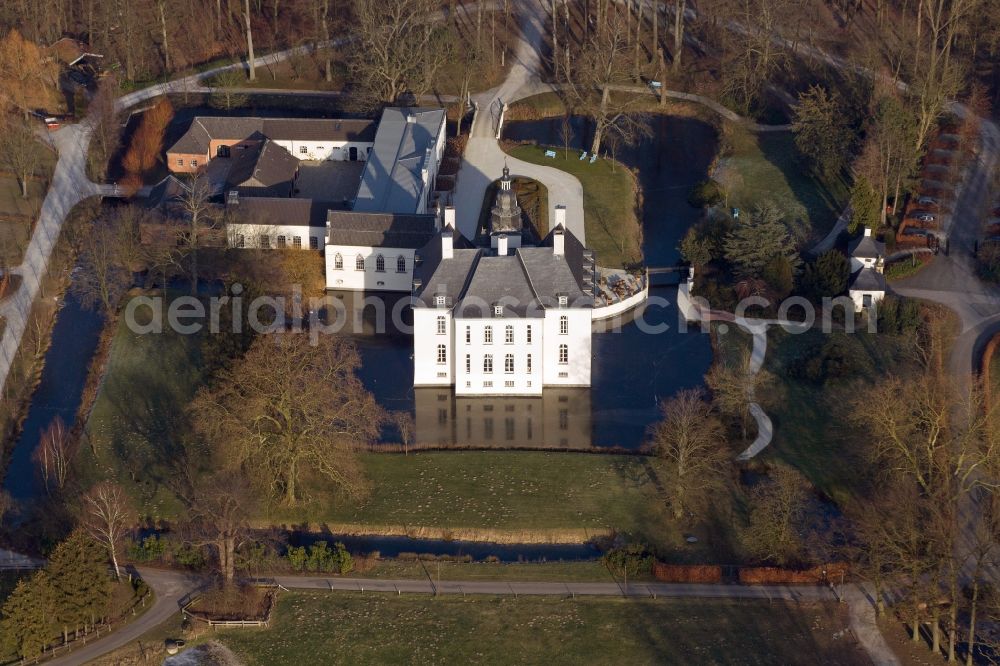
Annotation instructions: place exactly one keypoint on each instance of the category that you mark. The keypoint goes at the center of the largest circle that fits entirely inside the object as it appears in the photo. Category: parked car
(925, 217)
(52, 123)
(927, 201)
(914, 231)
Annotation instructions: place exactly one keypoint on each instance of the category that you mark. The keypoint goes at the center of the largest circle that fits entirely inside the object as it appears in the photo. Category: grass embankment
(138, 433)
(559, 572)
(906, 267)
(609, 203)
(17, 216)
(422, 629)
(758, 167)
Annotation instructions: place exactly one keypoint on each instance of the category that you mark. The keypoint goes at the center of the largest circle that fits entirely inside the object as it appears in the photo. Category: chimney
(448, 242)
(558, 242)
(868, 232)
(411, 117)
(560, 217)
(449, 216)
(233, 198)
(502, 245)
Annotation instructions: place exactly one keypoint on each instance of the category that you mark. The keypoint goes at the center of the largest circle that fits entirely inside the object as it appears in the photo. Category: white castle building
(510, 319)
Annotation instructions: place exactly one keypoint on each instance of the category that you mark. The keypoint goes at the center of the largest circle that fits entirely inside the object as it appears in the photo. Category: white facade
(501, 355)
(361, 268)
(275, 236)
(865, 299)
(327, 150)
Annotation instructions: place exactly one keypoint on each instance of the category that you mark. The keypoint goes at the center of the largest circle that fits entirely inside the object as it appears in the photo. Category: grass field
(583, 571)
(811, 431)
(609, 204)
(420, 629)
(498, 490)
(17, 217)
(766, 166)
(136, 428)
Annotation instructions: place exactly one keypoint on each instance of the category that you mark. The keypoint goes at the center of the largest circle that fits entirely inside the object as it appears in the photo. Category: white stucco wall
(326, 150)
(370, 279)
(859, 298)
(476, 381)
(426, 369)
(252, 233)
(577, 371)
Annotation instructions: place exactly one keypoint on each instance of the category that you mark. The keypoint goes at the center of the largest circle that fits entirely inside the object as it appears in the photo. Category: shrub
(630, 560)
(897, 316)
(705, 193)
(149, 549)
(827, 276)
(320, 557)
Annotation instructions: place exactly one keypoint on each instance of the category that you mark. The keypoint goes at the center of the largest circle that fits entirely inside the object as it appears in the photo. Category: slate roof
(867, 279)
(526, 282)
(379, 229)
(281, 210)
(205, 128)
(270, 168)
(167, 191)
(866, 247)
(393, 181)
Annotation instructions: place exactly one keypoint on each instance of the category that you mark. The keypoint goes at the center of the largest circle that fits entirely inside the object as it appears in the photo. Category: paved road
(483, 160)
(168, 586)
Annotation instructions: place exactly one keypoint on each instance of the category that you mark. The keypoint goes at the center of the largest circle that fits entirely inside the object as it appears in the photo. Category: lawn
(767, 167)
(582, 571)
(520, 491)
(535, 630)
(609, 204)
(136, 429)
(811, 431)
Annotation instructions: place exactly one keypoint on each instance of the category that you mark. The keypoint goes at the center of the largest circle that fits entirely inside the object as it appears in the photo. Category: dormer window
(497, 310)
(563, 301)
(439, 301)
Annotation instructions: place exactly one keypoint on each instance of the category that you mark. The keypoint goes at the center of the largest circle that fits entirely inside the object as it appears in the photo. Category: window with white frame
(529, 363)
(239, 241)
(468, 335)
(194, 163)
(338, 262)
(508, 364)
(281, 242)
(297, 242)
(508, 335)
(400, 264)
(468, 364)
(441, 325)
(563, 354)
(313, 243)
(527, 334)
(563, 325)
(265, 241)
(488, 335)
(563, 301)
(488, 363)
(359, 263)
(380, 264)
(303, 150)
(442, 354)
(180, 162)
(497, 310)
(439, 301)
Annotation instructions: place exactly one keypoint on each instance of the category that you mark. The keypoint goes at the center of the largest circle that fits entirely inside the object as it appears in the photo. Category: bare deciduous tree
(20, 151)
(220, 513)
(286, 406)
(108, 515)
(54, 455)
(690, 442)
(777, 507)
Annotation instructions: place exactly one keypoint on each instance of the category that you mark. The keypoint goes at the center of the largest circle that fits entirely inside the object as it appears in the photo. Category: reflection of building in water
(373, 313)
(559, 418)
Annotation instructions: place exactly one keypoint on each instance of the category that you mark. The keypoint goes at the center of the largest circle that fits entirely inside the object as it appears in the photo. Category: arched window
(359, 263)
(380, 264)
(400, 264)
(442, 354)
(563, 325)
(563, 354)
(338, 262)
(488, 363)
